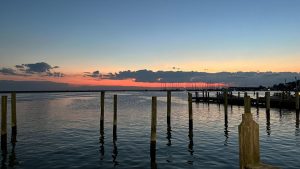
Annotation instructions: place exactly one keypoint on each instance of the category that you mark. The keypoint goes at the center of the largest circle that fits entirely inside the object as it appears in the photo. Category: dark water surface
(62, 131)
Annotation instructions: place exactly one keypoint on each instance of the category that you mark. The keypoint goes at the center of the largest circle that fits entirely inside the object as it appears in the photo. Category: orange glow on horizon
(78, 81)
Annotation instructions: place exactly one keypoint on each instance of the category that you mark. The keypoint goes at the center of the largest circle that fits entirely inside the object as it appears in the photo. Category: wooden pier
(279, 100)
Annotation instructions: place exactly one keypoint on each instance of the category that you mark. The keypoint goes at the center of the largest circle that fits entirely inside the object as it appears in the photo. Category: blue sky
(111, 36)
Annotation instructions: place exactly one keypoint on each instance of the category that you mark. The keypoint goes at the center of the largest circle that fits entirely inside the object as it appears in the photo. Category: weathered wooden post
(297, 119)
(169, 110)
(153, 129)
(225, 101)
(248, 138)
(4, 124)
(13, 118)
(267, 98)
(281, 99)
(208, 96)
(197, 96)
(245, 94)
(297, 100)
(115, 117)
(102, 112)
(203, 96)
(239, 98)
(249, 141)
(190, 114)
(257, 99)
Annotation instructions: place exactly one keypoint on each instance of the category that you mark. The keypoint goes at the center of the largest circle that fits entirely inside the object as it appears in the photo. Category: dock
(278, 100)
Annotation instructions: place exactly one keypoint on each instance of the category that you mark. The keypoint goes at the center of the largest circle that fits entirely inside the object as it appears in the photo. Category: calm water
(62, 131)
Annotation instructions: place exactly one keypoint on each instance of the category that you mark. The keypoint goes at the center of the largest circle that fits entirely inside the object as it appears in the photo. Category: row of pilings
(278, 100)
(248, 129)
(249, 154)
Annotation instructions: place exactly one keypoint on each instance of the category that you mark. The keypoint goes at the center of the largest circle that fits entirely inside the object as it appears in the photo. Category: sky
(78, 38)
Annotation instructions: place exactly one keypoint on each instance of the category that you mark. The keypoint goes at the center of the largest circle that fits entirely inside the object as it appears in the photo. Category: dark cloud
(40, 69)
(55, 74)
(8, 71)
(95, 74)
(232, 78)
(32, 68)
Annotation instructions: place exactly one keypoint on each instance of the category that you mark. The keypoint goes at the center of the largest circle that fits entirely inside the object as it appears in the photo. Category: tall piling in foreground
(169, 110)
(248, 138)
(102, 113)
(115, 117)
(249, 154)
(153, 129)
(267, 98)
(297, 100)
(4, 124)
(13, 118)
(190, 107)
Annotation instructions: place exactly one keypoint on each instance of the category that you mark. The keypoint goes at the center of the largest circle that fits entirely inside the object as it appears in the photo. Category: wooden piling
(297, 100)
(257, 99)
(248, 138)
(225, 101)
(190, 113)
(245, 94)
(13, 118)
(208, 96)
(115, 117)
(267, 98)
(102, 112)
(4, 124)
(169, 110)
(153, 129)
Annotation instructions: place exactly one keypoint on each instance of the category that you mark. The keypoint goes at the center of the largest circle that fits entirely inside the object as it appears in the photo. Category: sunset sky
(82, 42)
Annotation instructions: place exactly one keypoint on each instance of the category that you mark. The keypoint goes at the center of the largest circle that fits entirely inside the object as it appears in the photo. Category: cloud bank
(245, 79)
